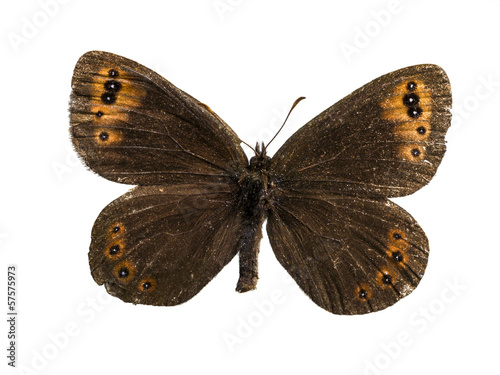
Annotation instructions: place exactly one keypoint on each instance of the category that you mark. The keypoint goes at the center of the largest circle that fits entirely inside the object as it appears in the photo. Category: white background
(249, 60)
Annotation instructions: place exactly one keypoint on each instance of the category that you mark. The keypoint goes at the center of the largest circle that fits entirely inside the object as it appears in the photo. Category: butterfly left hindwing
(160, 245)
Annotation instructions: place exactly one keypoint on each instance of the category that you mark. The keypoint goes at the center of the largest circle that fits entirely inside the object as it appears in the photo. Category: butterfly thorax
(253, 193)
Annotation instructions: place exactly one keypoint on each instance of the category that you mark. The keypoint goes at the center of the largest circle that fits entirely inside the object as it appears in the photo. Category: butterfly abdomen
(253, 189)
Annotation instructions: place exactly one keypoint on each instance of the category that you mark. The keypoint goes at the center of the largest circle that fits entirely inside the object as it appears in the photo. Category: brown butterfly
(200, 201)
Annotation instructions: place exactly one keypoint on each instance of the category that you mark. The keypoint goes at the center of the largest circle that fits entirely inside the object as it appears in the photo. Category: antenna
(291, 109)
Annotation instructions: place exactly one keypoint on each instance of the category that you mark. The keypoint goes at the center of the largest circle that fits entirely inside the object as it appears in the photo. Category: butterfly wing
(349, 255)
(162, 242)
(130, 125)
(384, 139)
(330, 223)
(160, 245)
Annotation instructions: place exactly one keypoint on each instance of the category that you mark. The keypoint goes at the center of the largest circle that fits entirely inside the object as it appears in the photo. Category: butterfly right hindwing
(349, 255)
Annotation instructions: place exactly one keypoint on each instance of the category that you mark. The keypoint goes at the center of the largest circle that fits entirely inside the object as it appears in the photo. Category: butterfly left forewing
(131, 125)
(385, 139)
(349, 255)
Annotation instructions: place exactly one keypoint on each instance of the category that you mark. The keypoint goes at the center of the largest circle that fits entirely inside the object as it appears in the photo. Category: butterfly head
(260, 161)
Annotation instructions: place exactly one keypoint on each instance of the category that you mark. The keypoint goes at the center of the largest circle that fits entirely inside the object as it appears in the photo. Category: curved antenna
(291, 109)
(249, 146)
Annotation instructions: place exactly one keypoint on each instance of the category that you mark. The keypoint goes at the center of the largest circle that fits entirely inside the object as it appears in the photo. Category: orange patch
(116, 229)
(128, 96)
(411, 152)
(126, 269)
(115, 249)
(402, 89)
(396, 101)
(393, 235)
(207, 107)
(401, 114)
(107, 136)
(109, 115)
(381, 276)
(395, 250)
(147, 285)
(413, 130)
(363, 288)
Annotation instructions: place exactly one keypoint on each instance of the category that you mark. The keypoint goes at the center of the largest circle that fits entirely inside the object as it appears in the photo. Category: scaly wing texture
(349, 255)
(386, 139)
(160, 245)
(130, 125)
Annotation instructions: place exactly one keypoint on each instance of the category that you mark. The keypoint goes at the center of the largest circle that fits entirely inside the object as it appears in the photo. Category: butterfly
(199, 201)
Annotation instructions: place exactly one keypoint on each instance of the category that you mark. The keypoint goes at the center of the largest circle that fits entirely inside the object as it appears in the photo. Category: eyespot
(411, 86)
(113, 73)
(124, 272)
(147, 285)
(421, 130)
(108, 98)
(99, 114)
(363, 292)
(397, 256)
(414, 112)
(112, 86)
(386, 279)
(104, 136)
(411, 100)
(115, 249)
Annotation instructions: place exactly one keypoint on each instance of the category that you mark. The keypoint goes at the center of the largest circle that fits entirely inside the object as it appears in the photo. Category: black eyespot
(363, 294)
(411, 100)
(414, 112)
(146, 285)
(415, 152)
(123, 272)
(397, 236)
(113, 73)
(99, 113)
(108, 98)
(387, 279)
(116, 229)
(411, 86)
(112, 86)
(104, 136)
(397, 256)
(421, 130)
(115, 249)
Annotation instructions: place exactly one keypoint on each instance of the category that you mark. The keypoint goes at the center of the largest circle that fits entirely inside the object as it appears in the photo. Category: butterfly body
(199, 202)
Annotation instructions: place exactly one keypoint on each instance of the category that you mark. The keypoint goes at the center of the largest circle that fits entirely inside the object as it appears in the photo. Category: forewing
(159, 245)
(350, 256)
(385, 139)
(130, 125)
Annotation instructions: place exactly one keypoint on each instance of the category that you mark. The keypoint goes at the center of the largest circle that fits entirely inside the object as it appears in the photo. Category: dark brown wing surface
(349, 255)
(130, 125)
(160, 245)
(384, 139)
